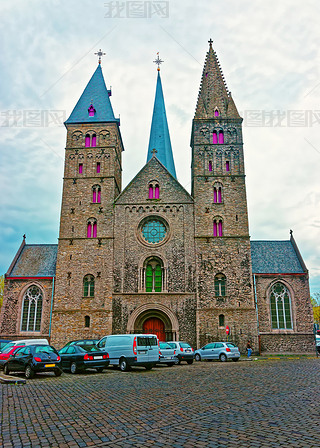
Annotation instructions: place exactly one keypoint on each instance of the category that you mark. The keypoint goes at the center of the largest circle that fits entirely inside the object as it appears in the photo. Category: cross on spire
(210, 42)
(154, 151)
(158, 61)
(100, 53)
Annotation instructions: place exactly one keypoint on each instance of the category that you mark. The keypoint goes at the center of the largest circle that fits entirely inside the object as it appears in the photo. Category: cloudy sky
(270, 55)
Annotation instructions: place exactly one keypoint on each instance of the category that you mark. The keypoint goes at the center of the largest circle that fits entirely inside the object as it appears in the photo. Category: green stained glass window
(149, 278)
(154, 231)
(158, 278)
(153, 272)
(280, 306)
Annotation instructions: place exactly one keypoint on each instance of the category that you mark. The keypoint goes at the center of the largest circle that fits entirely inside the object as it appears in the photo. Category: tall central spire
(159, 133)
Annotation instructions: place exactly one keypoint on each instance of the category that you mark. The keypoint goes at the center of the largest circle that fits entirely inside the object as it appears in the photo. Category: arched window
(227, 166)
(92, 228)
(87, 321)
(87, 140)
(88, 286)
(217, 193)
(96, 194)
(153, 275)
(32, 309)
(221, 137)
(215, 137)
(220, 285)
(91, 111)
(221, 320)
(150, 191)
(216, 113)
(280, 304)
(154, 190)
(80, 168)
(98, 167)
(210, 165)
(94, 140)
(217, 227)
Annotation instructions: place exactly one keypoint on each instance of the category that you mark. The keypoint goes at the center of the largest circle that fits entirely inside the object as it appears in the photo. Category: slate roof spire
(159, 133)
(214, 94)
(96, 98)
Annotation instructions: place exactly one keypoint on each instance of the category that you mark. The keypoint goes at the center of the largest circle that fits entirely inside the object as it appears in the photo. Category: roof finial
(210, 42)
(154, 152)
(100, 53)
(291, 232)
(24, 236)
(158, 61)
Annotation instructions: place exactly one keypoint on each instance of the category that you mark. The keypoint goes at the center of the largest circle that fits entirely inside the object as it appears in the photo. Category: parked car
(218, 350)
(126, 350)
(318, 344)
(167, 354)
(32, 359)
(26, 342)
(184, 351)
(3, 342)
(7, 353)
(82, 342)
(82, 357)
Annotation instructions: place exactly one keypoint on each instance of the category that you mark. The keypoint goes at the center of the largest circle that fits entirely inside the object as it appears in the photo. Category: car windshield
(8, 349)
(44, 349)
(172, 344)
(149, 341)
(89, 348)
(165, 345)
(184, 345)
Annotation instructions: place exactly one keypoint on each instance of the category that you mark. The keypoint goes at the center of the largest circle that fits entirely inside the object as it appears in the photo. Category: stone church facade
(153, 258)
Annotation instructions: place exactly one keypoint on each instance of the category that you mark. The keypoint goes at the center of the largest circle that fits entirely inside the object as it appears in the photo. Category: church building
(153, 258)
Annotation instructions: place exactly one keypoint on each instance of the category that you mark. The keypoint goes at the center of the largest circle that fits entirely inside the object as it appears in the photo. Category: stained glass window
(280, 307)
(153, 276)
(32, 309)
(154, 231)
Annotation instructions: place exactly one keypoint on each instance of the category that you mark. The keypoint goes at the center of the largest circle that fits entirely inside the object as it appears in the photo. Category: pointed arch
(32, 309)
(280, 307)
(220, 285)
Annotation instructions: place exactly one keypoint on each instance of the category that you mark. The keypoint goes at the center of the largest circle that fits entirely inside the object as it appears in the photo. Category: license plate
(187, 351)
(142, 352)
(98, 357)
(169, 357)
(49, 365)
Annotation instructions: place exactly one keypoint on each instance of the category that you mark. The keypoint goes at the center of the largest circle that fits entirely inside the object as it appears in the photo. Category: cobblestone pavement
(267, 404)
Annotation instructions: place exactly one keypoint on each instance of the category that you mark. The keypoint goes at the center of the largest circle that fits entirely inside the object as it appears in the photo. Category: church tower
(92, 180)
(225, 290)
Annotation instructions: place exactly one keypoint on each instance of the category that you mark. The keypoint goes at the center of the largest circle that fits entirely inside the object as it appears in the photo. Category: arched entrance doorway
(154, 325)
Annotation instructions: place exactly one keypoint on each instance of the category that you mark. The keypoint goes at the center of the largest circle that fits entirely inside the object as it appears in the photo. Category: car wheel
(123, 365)
(235, 359)
(197, 357)
(190, 361)
(28, 373)
(223, 357)
(99, 369)
(57, 372)
(73, 367)
(6, 369)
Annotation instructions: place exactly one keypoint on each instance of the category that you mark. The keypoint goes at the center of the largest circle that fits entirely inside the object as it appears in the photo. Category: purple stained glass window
(94, 141)
(156, 192)
(91, 111)
(150, 192)
(220, 228)
(216, 113)
(221, 137)
(215, 195)
(215, 138)
(98, 167)
(215, 228)
(89, 230)
(94, 195)
(99, 196)
(219, 195)
(87, 141)
(227, 166)
(94, 230)
(80, 168)
(210, 165)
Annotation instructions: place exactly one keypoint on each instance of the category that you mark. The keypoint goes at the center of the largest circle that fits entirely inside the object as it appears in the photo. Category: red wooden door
(154, 325)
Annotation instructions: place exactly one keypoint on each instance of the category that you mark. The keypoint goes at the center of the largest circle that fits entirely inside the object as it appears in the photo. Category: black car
(81, 357)
(32, 359)
(82, 342)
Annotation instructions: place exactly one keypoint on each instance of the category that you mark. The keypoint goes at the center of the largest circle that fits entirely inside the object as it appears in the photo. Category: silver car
(218, 350)
(167, 354)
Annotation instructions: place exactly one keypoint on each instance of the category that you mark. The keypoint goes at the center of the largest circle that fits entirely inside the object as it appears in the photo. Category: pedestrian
(249, 349)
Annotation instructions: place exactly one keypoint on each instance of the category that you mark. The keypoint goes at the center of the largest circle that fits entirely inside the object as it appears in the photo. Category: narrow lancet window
(221, 137)
(215, 138)
(210, 165)
(87, 141)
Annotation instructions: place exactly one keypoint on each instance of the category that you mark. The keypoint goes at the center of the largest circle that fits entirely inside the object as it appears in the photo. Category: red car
(7, 353)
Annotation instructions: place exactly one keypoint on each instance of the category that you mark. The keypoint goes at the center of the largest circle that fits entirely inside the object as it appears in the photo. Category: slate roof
(275, 257)
(96, 94)
(159, 132)
(36, 260)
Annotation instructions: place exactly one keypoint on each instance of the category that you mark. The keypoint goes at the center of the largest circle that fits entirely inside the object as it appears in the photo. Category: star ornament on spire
(158, 61)
(100, 53)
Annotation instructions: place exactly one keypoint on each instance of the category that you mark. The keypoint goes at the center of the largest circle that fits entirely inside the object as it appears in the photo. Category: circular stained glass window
(154, 231)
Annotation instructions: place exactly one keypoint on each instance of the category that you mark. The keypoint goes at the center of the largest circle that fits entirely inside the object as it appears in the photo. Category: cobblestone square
(258, 404)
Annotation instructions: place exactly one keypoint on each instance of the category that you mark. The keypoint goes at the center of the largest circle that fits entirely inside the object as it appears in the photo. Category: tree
(1, 289)
(315, 301)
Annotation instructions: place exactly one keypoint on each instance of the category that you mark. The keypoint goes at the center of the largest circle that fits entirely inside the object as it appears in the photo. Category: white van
(126, 350)
(26, 342)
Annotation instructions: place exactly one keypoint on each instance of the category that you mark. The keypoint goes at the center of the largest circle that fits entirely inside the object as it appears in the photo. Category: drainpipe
(51, 307)
(256, 305)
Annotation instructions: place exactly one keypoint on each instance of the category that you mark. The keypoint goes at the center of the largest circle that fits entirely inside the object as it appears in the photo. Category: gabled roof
(154, 170)
(97, 95)
(159, 133)
(275, 257)
(35, 260)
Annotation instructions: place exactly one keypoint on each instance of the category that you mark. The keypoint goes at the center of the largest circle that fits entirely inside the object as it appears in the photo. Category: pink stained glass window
(94, 141)
(89, 230)
(216, 113)
(221, 137)
(80, 168)
(215, 138)
(219, 195)
(210, 165)
(215, 228)
(150, 192)
(94, 234)
(91, 111)
(94, 195)
(98, 167)
(215, 197)
(227, 166)
(99, 196)
(87, 141)
(220, 228)
(157, 192)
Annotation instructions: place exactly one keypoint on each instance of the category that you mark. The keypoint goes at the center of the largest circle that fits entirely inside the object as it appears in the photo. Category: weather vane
(100, 53)
(158, 61)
